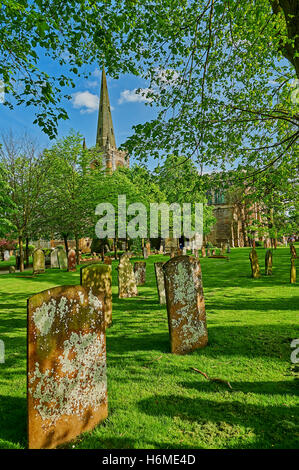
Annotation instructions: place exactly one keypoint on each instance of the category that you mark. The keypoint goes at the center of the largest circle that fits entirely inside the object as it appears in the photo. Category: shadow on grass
(13, 411)
(269, 423)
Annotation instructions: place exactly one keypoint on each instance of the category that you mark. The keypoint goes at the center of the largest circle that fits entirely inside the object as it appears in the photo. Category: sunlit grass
(155, 399)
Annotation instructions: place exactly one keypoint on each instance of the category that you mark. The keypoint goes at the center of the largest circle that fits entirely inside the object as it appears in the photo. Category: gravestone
(223, 249)
(71, 261)
(203, 252)
(293, 271)
(62, 258)
(98, 278)
(185, 304)
(145, 253)
(12, 269)
(38, 261)
(6, 255)
(54, 258)
(208, 252)
(213, 252)
(160, 282)
(140, 272)
(126, 280)
(148, 247)
(268, 263)
(293, 251)
(66, 381)
(255, 267)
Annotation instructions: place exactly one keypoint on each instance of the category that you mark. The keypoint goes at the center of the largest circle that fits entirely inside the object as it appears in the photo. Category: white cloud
(93, 84)
(85, 100)
(97, 73)
(131, 96)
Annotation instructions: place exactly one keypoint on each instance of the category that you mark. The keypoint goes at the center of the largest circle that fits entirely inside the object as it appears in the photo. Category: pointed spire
(105, 130)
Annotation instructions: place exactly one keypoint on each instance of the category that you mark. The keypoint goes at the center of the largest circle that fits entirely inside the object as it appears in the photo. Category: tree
(67, 205)
(25, 177)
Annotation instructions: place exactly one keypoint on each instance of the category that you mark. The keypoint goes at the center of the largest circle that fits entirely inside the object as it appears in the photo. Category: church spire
(105, 130)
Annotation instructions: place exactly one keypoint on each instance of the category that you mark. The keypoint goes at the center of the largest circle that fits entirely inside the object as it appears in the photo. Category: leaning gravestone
(38, 261)
(71, 261)
(66, 381)
(54, 258)
(98, 279)
(126, 280)
(140, 272)
(268, 263)
(255, 267)
(185, 304)
(160, 282)
(62, 259)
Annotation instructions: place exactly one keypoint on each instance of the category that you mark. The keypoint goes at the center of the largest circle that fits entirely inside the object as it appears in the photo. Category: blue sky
(128, 109)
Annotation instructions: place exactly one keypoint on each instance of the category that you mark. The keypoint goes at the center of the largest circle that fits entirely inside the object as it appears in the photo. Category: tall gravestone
(39, 265)
(6, 255)
(71, 261)
(66, 380)
(185, 304)
(140, 272)
(98, 278)
(62, 259)
(203, 252)
(255, 267)
(160, 282)
(293, 271)
(126, 280)
(293, 251)
(268, 263)
(54, 258)
(145, 252)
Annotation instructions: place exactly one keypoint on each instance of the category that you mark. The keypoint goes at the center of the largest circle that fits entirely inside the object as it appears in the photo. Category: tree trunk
(27, 252)
(77, 250)
(21, 250)
(66, 245)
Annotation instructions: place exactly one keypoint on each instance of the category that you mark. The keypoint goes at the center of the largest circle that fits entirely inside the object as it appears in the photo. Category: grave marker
(38, 261)
(140, 272)
(185, 304)
(98, 278)
(71, 261)
(126, 279)
(160, 282)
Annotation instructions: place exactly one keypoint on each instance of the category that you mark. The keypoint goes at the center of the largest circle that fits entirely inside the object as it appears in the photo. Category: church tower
(112, 157)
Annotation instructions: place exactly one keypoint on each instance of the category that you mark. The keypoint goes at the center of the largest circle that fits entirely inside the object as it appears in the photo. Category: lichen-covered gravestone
(38, 261)
(185, 304)
(62, 259)
(98, 278)
(140, 272)
(255, 267)
(126, 280)
(268, 263)
(160, 282)
(71, 261)
(54, 258)
(66, 380)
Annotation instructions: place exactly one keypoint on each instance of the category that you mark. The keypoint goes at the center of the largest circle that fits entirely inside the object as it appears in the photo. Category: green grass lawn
(155, 399)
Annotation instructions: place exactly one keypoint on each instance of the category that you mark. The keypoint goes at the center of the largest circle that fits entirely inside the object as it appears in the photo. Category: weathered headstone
(54, 258)
(71, 261)
(148, 247)
(38, 261)
(140, 272)
(66, 381)
(255, 267)
(12, 269)
(293, 251)
(203, 252)
(98, 278)
(185, 304)
(126, 280)
(62, 258)
(223, 249)
(293, 271)
(6, 255)
(208, 252)
(160, 282)
(268, 262)
(145, 253)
